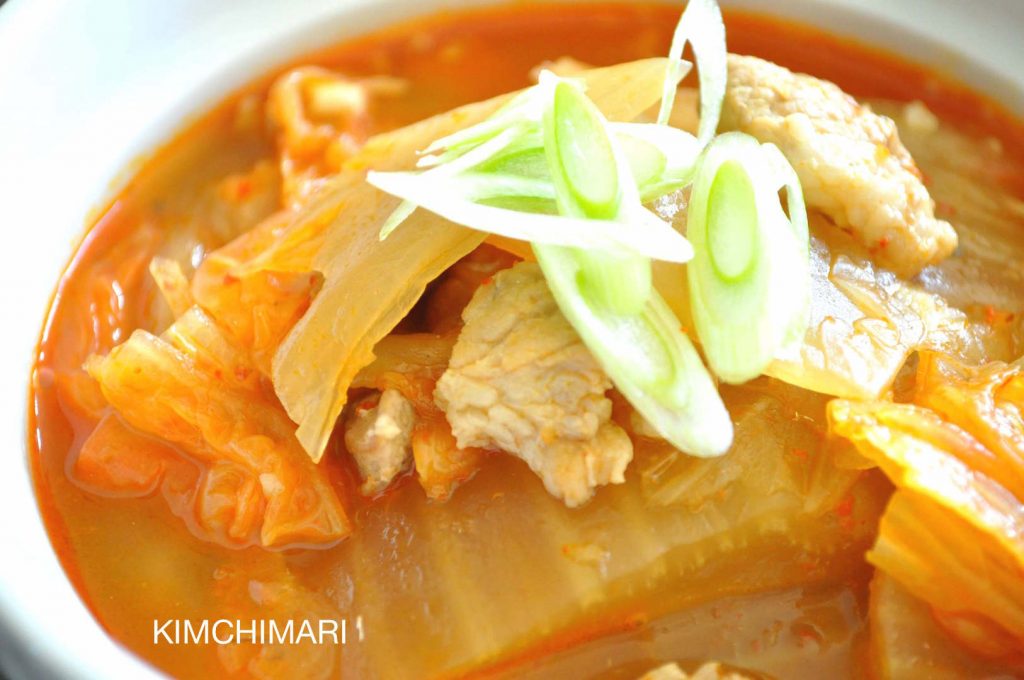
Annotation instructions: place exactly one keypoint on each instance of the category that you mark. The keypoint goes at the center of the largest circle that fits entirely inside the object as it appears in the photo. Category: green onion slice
(549, 169)
(592, 180)
(608, 298)
(749, 279)
(456, 199)
(581, 159)
(525, 107)
(701, 25)
(648, 358)
(482, 176)
(661, 158)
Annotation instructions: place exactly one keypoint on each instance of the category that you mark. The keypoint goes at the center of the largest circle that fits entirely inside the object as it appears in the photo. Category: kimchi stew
(577, 340)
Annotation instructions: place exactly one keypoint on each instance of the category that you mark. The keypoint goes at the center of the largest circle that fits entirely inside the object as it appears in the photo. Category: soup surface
(755, 559)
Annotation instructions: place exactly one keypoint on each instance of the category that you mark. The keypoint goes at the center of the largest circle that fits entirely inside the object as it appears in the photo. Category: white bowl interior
(89, 88)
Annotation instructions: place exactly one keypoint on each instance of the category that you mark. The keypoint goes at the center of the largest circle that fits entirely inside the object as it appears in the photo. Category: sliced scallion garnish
(648, 358)
(661, 158)
(457, 199)
(549, 169)
(581, 160)
(749, 279)
(480, 176)
(592, 181)
(640, 345)
(702, 27)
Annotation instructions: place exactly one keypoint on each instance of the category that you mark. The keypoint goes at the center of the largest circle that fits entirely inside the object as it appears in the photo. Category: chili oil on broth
(449, 588)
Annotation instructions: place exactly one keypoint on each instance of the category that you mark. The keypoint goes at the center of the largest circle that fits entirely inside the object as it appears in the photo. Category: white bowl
(87, 89)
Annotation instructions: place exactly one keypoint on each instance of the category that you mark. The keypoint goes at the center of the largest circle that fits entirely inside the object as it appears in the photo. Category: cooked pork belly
(379, 438)
(521, 380)
(850, 161)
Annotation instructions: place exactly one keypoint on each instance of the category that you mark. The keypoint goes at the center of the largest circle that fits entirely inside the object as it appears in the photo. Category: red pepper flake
(808, 566)
(488, 281)
(845, 507)
(800, 453)
(635, 621)
(845, 513)
(243, 189)
(944, 209)
(991, 315)
(995, 316)
(806, 634)
(882, 244)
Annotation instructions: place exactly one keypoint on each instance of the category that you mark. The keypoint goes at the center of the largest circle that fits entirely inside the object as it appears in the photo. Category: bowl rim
(107, 140)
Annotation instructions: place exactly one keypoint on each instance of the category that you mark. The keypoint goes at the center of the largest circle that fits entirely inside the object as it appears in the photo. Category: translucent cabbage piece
(969, 577)
(503, 572)
(257, 306)
(173, 284)
(953, 534)
(845, 352)
(908, 643)
(672, 479)
(805, 633)
(190, 388)
(865, 323)
(984, 402)
(117, 460)
(976, 186)
(370, 285)
(267, 590)
(94, 317)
